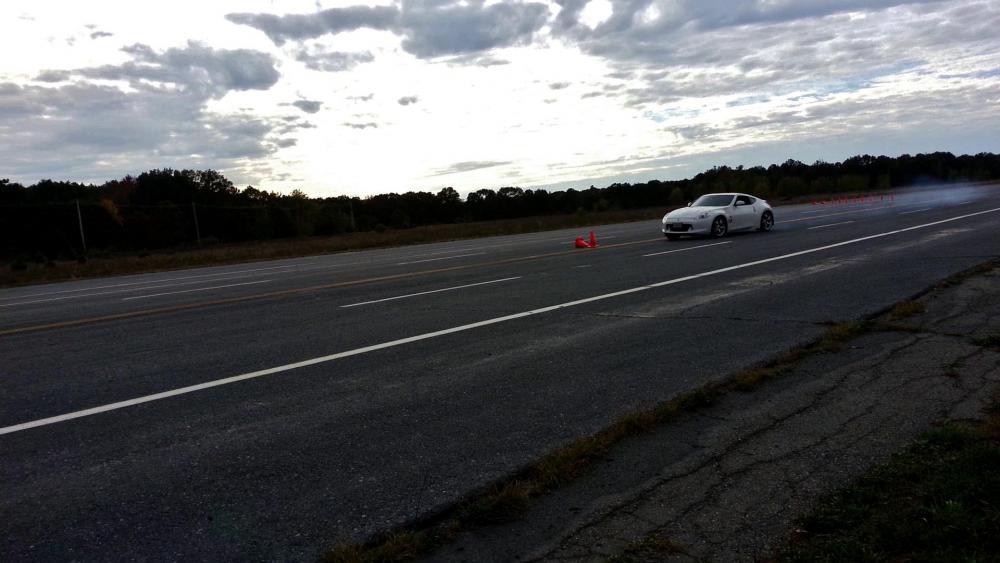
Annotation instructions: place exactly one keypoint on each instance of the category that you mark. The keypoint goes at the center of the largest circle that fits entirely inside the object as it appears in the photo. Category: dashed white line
(453, 330)
(688, 248)
(148, 282)
(192, 290)
(114, 291)
(428, 292)
(848, 212)
(831, 214)
(436, 259)
(914, 211)
(829, 225)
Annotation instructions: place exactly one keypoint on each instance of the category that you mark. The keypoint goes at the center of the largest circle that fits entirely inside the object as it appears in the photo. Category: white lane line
(829, 225)
(832, 214)
(436, 259)
(891, 206)
(192, 290)
(428, 292)
(453, 330)
(149, 282)
(688, 248)
(914, 211)
(964, 202)
(114, 291)
(439, 252)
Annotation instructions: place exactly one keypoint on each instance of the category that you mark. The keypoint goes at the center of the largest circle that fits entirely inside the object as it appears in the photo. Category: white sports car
(717, 214)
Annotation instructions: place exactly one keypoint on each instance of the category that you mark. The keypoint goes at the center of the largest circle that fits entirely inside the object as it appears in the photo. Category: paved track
(382, 385)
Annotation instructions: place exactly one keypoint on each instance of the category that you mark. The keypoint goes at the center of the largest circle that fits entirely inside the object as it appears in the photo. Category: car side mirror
(738, 203)
(689, 204)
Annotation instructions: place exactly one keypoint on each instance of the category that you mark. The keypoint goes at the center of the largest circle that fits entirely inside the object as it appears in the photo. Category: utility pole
(79, 218)
(197, 229)
(350, 206)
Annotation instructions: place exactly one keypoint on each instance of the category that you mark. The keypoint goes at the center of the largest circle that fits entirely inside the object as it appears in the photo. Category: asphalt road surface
(270, 410)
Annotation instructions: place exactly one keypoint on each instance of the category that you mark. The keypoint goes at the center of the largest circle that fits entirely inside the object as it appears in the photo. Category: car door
(744, 215)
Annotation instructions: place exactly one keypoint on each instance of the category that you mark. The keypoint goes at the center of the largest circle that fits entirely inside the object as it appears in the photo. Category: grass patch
(906, 309)
(939, 500)
(958, 278)
(21, 272)
(509, 500)
(649, 548)
(401, 546)
(992, 341)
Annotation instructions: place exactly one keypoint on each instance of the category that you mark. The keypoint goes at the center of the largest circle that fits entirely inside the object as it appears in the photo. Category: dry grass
(992, 341)
(220, 254)
(649, 548)
(508, 500)
(935, 501)
(906, 309)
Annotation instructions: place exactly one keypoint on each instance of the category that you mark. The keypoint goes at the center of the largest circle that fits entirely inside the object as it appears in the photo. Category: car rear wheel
(766, 221)
(719, 227)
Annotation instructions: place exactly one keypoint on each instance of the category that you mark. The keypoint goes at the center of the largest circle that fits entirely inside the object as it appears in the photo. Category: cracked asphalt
(727, 482)
(385, 386)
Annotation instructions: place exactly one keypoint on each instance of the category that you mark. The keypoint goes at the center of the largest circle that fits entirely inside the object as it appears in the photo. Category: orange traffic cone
(580, 243)
(593, 240)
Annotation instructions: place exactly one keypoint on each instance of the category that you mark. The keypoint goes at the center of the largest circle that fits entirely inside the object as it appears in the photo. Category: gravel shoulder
(727, 482)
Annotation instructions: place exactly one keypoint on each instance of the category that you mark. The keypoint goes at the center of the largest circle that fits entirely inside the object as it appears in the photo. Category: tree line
(168, 208)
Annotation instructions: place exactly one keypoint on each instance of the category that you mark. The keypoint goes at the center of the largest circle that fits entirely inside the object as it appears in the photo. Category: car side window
(743, 200)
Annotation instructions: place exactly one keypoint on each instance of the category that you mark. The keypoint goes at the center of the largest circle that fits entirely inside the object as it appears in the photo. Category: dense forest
(169, 208)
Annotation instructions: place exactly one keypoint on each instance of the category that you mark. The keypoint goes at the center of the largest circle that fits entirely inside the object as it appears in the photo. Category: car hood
(691, 212)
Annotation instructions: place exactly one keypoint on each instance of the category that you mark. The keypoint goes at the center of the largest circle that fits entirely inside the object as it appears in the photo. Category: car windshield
(712, 201)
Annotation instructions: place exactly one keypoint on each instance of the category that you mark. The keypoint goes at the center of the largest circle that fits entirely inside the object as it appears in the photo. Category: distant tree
(676, 196)
(156, 208)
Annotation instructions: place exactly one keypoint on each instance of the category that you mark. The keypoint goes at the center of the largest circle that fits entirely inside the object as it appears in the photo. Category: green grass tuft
(649, 548)
(906, 309)
(937, 501)
(992, 341)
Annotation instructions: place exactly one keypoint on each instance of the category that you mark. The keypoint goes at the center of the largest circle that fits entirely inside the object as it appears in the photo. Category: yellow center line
(298, 290)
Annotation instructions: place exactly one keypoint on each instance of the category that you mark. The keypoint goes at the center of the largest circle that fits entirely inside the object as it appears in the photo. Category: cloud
(307, 26)
(93, 130)
(53, 76)
(367, 125)
(469, 166)
(407, 100)
(196, 67)
(433, 28)
(308, 106)
(363, 98)
(70, 128)
(429, 28)
(476, 59)
(669, 51)
(332, 61)
(100, 34)
(558, 85)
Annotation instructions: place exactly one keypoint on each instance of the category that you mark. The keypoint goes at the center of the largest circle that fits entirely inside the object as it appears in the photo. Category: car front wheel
(766, 221)
(719, 227)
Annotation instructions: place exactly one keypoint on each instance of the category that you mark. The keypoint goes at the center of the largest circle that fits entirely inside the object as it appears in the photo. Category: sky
(339, 97)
